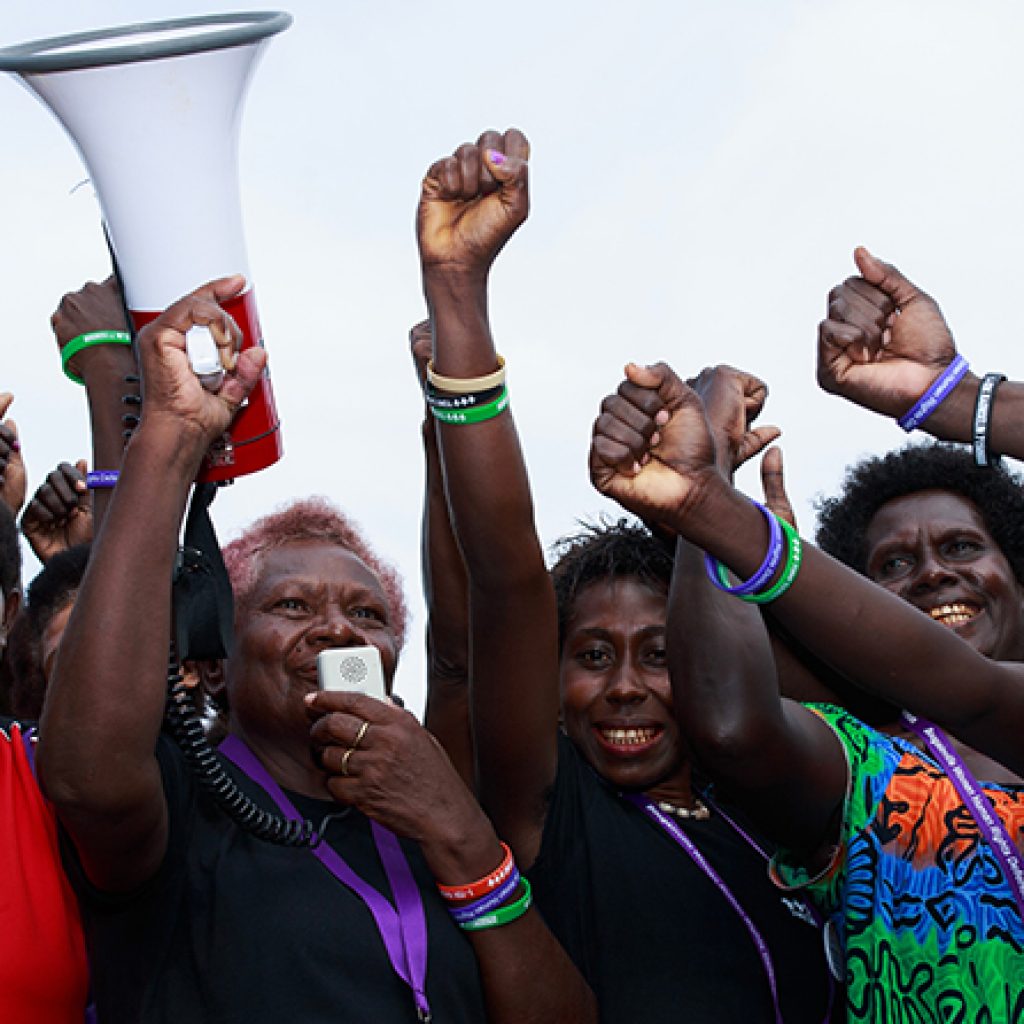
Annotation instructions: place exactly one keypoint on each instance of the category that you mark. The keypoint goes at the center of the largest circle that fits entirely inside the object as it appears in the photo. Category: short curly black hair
(996, 493)
(604, 551)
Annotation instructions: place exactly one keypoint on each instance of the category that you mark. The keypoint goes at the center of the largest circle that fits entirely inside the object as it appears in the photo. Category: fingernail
(309, 698)
(15, 446)
(662, 418)
(496, 156)
(637, 467)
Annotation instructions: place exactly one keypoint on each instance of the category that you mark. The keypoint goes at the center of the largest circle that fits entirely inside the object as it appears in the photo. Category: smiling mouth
(953, 615)
(628, 741)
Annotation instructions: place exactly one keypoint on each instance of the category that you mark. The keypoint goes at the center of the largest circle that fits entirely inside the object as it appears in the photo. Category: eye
(893, 567)
(292, 605)
(962, 547)
(654, 655)
(594, 658)
(370, 613)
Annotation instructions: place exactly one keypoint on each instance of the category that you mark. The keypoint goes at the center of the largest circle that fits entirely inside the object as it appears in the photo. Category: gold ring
(344, 760)
(359, 735)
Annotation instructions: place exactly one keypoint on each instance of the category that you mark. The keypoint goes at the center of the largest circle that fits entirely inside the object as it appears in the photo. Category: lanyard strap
(404, 932)
(1003, 847)
(682, 839)
(30, 752)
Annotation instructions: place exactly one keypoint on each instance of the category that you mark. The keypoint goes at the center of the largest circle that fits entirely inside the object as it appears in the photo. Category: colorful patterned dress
(930, 928)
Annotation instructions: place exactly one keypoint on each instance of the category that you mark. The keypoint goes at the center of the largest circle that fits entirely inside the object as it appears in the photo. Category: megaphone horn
(134, 100)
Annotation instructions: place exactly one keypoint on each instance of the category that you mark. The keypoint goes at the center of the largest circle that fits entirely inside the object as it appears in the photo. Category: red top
(43, 974)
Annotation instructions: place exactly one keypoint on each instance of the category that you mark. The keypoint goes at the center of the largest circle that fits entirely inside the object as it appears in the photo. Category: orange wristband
(480, 888)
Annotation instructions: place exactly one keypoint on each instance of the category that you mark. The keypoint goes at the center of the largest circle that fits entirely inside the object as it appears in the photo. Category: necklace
(698, 812)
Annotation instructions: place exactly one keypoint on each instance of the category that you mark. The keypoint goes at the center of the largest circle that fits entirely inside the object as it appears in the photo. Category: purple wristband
(935, 395)
(471, 911)
(767, 568)
(100, 479)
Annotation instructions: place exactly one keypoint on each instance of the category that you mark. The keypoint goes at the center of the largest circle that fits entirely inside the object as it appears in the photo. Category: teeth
(628, 737)
(953, 615)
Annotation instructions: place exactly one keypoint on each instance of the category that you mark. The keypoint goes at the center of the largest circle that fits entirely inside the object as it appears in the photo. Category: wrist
(952, 418)
(463, 852)
(177, 446)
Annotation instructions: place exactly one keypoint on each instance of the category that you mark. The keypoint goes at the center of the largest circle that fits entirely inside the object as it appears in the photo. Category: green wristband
(503, 915)
(75, 345)
(473, 414)
(794, 556)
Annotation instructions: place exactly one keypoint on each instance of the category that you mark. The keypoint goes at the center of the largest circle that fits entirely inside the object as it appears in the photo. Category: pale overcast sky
(701, 173)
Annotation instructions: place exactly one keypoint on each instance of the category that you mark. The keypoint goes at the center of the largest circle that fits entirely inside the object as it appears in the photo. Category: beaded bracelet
(100, 479)
(716, 571)
(794, 556)
(75, 345)
(983, 420)
(937, 392)
(503, 915)
(439, 400)
(482, 886)
(474, 414)
(466, 385)
(463, 913)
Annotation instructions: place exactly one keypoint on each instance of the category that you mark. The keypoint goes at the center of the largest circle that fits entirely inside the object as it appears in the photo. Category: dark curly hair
(996, 493)
(605, 551)
(10, 551)
(53, 589)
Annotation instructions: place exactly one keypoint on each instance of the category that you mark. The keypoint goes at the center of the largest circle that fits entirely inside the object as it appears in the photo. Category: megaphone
(154, 111)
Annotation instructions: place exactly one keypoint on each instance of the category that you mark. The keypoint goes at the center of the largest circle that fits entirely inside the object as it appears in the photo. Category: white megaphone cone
(154, 111)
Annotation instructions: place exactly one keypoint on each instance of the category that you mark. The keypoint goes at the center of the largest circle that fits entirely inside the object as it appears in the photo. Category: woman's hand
(382, 761)
(652, 448)
(59, 516)
(471, 204)
(884, 340)
(13, 478)
(172, 393)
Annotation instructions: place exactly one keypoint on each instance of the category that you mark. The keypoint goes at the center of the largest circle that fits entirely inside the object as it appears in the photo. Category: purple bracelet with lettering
(935, 395)
(100, 479)
(767, 568)
(471, 911)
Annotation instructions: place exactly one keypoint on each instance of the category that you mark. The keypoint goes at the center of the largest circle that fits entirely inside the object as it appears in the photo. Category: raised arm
(447, 596)
(883, 344)
(13, 479)
(772, 757)
(106, 697)
(874, 639)
(108, 371)
(471, 204)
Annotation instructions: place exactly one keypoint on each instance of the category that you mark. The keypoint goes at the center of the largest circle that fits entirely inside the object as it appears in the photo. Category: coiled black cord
(210, 774)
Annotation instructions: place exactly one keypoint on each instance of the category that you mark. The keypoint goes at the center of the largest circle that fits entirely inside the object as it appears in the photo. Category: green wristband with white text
(794, 556)
(503, 915)
(75, 345)
(473, 414)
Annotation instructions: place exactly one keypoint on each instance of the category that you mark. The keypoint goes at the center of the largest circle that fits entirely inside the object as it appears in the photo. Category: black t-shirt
(233, 929)
(654, 937)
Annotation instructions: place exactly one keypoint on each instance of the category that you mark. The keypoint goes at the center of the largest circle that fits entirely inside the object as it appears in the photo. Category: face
(933, 549)
(616, 697)
(308, 596)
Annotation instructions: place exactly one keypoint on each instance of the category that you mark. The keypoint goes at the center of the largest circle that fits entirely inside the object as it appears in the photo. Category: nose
(626, 687)
(334, 629)
(931, 573)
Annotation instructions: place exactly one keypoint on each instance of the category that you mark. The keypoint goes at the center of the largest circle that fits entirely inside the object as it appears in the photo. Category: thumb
(774, 485)
(512, 174)
(885, 276)
(661, 378)
(83, 467)
(6, 398)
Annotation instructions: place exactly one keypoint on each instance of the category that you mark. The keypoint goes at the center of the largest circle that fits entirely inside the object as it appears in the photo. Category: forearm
(104, 369)
(526, 976)
(954, 418)
(877, 641)
(492, 517)
(105, 701)
(447, 598)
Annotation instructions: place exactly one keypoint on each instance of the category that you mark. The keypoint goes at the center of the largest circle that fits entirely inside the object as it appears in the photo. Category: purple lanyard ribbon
(977, 802)
(682, 839)
(30, 753)
(404, 932)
